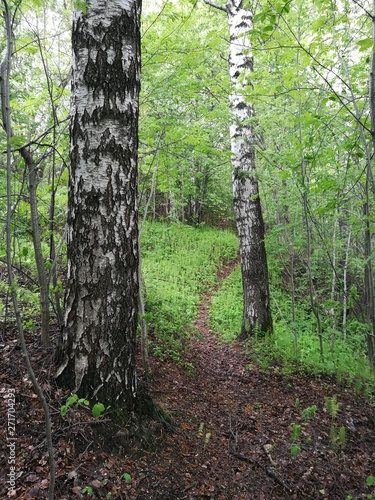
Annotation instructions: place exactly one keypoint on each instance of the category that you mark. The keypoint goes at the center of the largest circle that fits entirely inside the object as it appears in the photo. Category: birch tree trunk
(247, 206)
(96, 355)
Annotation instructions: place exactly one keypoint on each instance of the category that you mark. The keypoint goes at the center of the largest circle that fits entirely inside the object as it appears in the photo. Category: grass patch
(226, 307)
(294, 345)
(179, 262)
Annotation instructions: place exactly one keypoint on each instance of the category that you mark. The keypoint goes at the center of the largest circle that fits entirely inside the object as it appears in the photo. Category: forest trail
(235, 423)
(234, 426)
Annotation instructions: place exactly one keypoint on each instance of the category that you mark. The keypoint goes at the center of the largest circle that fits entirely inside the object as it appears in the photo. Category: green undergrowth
(179, 262)
(294, 345)
(226, 307)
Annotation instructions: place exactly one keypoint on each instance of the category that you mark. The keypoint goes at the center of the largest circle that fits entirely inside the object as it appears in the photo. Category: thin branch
(216, 6)
(37, 139)
(354, 115)
(363, 8)
(5, 110)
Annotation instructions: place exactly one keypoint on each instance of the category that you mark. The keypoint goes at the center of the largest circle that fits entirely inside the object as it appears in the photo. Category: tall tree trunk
(96, 354)
(372, 84)
(369, 273)
(42, 275)
(247, 206)
(369, 285)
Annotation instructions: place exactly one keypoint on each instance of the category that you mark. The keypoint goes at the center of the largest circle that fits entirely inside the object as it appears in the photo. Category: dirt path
(232, 438)
(234, 434)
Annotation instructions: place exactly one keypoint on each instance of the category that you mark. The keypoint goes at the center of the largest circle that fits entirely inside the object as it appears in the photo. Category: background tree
(184, 115)
(311, 90)
(247, 206)
(96, 355)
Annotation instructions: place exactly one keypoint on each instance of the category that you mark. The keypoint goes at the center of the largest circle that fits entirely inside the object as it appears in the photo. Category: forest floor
(239, 432)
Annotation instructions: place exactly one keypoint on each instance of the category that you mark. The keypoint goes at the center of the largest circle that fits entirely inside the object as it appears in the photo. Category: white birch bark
(97, 349)
(248, 212)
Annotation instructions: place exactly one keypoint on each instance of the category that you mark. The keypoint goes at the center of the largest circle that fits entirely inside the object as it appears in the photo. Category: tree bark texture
(96, 355)
(247, 206)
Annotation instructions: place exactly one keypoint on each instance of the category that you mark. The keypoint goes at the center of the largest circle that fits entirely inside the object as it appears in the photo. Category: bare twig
(215, 5)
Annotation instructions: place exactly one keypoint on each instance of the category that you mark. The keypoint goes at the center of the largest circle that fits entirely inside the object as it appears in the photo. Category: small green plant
(88, 490)
(309, 412)
(126, 476)
(29, 324)
(370, 481)
(73, 401)
(294, 449)
(97, 410)
(337, 437)
(189, 368)
(296, 431)
(333, 406)
(296, 404)
(207, 438)
(342, 436)
(200, 429)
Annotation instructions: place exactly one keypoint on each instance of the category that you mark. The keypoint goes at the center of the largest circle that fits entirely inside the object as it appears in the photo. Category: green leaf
(98, 409)
(253, 32)
(71, 400)
(127, 477)
(31, 49)
(80, 5)
(296, 431)
(17, 141)
(259, 17)
(282, 7)
(295, 449)
(63, 410)
(370, 481)
(365, 44)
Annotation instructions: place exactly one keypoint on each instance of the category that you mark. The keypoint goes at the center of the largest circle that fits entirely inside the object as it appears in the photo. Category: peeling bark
(96, 355)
